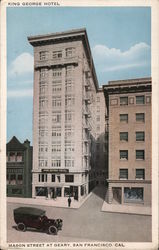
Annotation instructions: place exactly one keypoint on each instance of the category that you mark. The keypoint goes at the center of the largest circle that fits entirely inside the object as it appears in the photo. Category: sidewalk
(49, 202)
(126, 209)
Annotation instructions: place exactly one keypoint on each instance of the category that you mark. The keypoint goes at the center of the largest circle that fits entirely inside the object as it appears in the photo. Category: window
(20, 179)
(69, 100)
(43, 133)
(124, 100)
(43, 90)
(56, 132)
(133, 194)
(123, 174)
(42, 177)
(12, 157)
(123, 154)
(69, 147)
(70, 52)
(41, 191)
(69, 178)
(43, 103)
(140, 154)
(56, 101)
(69, 70)
(56, 88)
(69, 85)
(140, 174)
(43, 73)
(43, 55)
(43, 119)
(57, 72)
(19, 157)
(53, 178)
(56, 117)
(69, 132)
(56, 163)
(57, 54)
(140, 99)
(140, 117)
(69, 116)
(124, 118)
(56, 85)
(41, 163)
(56, 148)
(12, 179)
(123, 136)
(140, 136)
(69, 163)
(43, 148)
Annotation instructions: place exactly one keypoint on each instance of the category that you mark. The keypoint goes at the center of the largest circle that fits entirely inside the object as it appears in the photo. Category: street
(87, 223)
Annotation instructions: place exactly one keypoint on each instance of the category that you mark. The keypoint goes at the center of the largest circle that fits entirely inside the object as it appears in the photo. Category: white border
(154, 4)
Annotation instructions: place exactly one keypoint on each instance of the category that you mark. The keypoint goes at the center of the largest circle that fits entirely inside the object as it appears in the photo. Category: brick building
(68, 117)
(19, 166)
(129, 140)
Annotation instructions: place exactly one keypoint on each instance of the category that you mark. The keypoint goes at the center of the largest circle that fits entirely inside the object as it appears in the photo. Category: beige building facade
(129, 141)
(68, 116)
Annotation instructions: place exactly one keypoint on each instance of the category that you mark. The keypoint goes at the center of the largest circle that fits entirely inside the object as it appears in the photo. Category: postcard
(79, 124)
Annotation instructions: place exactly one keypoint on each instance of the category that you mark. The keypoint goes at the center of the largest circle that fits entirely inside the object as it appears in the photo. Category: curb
(23, 202)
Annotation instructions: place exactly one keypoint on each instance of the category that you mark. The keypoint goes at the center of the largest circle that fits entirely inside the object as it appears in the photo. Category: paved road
(87, 223)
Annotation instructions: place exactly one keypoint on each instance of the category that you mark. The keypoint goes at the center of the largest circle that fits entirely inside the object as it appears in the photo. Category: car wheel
(52, 230)
(21, 227)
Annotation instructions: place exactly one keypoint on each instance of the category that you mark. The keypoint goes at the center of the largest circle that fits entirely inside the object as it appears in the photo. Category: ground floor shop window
(133, 194)
(71, 191)
(41, 191)
(67, 192)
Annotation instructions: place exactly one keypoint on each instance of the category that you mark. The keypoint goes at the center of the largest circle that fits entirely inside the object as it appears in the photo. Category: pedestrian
(69, 201)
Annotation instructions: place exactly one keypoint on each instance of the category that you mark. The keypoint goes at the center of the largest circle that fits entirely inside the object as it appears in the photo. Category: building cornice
(129, 181)
(128, 86)
(75, 34)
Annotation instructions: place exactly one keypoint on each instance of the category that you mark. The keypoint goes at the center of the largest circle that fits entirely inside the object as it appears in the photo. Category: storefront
(126, 193)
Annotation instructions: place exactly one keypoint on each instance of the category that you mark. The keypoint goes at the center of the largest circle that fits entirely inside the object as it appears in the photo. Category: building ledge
(129, 181)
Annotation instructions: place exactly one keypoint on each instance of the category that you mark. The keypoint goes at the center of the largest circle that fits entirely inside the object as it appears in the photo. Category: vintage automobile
(30, 217)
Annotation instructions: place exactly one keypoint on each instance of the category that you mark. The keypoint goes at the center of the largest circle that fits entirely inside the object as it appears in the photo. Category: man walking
(69, 201)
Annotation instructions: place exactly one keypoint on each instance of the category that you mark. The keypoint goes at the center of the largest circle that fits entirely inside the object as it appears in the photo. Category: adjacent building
(128, 132)
(68, 117)
(19, 166)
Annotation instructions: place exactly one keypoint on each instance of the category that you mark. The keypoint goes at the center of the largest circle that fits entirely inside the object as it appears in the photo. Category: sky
(119, 37)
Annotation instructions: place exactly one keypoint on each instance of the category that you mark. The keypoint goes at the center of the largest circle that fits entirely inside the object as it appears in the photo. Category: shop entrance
(117, 194)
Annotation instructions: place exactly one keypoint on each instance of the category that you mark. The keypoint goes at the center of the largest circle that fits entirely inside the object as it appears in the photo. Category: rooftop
(130, 81)
(57, 37)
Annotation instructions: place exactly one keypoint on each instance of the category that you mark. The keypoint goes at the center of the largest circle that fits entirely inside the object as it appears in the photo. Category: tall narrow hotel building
(68, 106)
